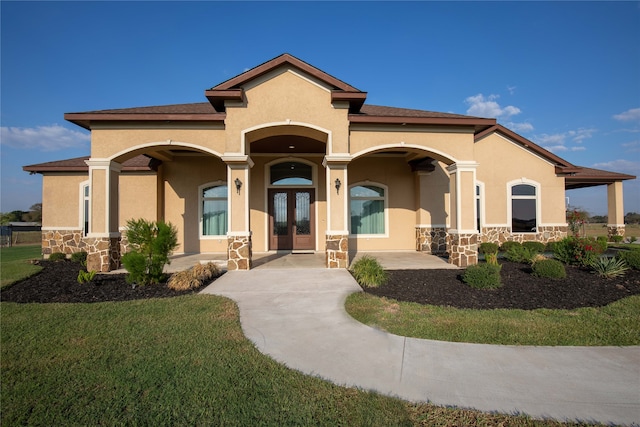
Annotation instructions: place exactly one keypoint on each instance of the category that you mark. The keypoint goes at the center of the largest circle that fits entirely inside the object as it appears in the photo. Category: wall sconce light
(338, 185)
(238, 185)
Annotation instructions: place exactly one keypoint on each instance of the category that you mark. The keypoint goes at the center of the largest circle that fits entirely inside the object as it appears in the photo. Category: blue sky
(564, 74)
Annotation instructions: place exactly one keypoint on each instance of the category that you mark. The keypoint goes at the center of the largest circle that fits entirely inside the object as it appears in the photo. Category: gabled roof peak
(232, 89)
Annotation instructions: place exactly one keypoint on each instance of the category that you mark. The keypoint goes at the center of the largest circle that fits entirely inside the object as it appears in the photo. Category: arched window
(213, 202)
(524, 208)
(291, 173)
(367, 209)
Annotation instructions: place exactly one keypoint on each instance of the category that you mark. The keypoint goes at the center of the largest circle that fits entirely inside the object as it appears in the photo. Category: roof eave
(452, 121)
(85, 119)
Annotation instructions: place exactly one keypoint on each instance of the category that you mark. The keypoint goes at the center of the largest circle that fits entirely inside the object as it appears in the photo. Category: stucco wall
(502, 161)
(138, 197)
(286, 96)
(182, 177)
(395, 173)
(61, 200)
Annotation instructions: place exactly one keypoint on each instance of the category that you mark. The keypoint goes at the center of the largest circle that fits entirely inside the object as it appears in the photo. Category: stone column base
(431, 240)
(337, 251)
(463, 249)
(240, 253)
(63, 241)
(103, 253)
(615, 230)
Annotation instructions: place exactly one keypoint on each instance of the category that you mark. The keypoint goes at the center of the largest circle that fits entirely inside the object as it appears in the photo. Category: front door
(291, 219)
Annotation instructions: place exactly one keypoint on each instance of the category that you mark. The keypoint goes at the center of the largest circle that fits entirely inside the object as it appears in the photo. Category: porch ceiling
(288, 144)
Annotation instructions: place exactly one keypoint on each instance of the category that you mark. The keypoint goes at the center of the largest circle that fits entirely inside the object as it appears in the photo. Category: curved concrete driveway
(298, 318)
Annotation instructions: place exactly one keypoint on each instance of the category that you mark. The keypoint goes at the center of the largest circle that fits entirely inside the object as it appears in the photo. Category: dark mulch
(520, 289)
(57, 282)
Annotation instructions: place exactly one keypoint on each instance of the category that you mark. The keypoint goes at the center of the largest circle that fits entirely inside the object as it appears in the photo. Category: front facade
(285, 157)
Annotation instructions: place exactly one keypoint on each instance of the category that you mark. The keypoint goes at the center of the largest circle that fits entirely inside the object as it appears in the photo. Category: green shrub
(368, 272)
(551, 247)
(550, 268)
(194, 277)
(520, 254)
(609, 267)
(488, 248)
(508, 245)
(483, 276)
(79, 257)
(578, 251)
(537, 247)
(86, 276)
(57, 256)
(633, 239)
(632, 258)
(617, 239)
(152, 243)
(602, 242)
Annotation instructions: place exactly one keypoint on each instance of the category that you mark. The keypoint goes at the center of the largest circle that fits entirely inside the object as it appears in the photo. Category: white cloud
(45, 138)
(511, 89)
(488, 107)
(520, 127)
(632, 115)
(557, 141)
(620, 165)
(632, 147)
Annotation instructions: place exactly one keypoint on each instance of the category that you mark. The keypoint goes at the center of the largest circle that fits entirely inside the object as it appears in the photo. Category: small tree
(576, 220)
(152, 243)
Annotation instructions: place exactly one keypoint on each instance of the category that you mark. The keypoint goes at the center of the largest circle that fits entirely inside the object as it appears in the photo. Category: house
(287, 157)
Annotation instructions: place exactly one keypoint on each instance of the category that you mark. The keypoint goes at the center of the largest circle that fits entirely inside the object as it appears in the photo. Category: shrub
(633, 239)
(79, 257)
(537, 247)
(491, 258)
(632, 258)
(609, 267)
(602, 242)
(483, 276)
(194, 277)
(520, 254)
(550, 268)
(368, 272)
(152, 243)
(508, 245)
(551, 247)
(617, 239)
(580, 251)
(86, 276)
(57, 256)
(488, 248)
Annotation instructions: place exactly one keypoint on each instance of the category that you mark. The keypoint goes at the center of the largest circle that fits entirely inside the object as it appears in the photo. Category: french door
(291, 219)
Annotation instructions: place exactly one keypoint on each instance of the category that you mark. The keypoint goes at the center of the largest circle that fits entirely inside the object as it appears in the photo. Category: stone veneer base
(545, 234)
(239, 253)
(463, 249)
(103, 253)
(431, 240)
(615, 230)
(337, 251)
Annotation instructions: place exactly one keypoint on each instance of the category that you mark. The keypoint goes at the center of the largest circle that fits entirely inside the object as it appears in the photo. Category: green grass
(179, 361)
(14, 263)
(617, 324)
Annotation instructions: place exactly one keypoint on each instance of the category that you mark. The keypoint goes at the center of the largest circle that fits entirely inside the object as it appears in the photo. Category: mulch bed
(520, 290)
(57, 282)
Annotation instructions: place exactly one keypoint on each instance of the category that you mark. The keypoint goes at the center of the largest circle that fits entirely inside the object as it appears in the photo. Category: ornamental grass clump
(610, 267)
(549, 268)
(368, 272)
(483, 276)
(152, 243)
(194, 277)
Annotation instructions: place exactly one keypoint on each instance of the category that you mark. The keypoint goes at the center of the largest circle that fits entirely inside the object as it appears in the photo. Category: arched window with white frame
(214, 209)
(524, 206)
(368, 203)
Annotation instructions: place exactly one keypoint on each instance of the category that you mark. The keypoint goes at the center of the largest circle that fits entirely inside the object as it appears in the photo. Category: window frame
(479, 205)
(84, 216)
(537, 197)
(385, 199)
(201, 200)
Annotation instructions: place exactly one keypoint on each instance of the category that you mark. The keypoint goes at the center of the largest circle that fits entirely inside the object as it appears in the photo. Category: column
(431, 189)
(615, 211)
(463, 236)
(337, 237)
(239, 233)
(103, 239)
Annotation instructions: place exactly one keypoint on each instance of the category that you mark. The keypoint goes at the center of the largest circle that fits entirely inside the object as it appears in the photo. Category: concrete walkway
(298, 318)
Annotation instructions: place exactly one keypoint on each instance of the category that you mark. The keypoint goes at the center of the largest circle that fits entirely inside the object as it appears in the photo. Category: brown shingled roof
(77, 164)
(589, 177)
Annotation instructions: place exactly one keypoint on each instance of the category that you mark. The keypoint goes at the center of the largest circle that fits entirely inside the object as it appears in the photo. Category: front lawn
(176, 361)
(14, 263)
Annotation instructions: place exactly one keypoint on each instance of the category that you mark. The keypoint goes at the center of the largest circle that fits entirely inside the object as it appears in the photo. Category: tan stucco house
(288, 157)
